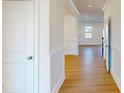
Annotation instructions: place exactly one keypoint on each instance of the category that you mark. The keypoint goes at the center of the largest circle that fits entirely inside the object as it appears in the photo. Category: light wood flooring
(86, 73)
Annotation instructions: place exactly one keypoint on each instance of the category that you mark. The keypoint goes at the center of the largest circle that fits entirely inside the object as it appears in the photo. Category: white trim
(67, 52)
(116, 79)
(20, 3)
(70, 7)
(59, 84)
(106, 4)
(57, 50)
(80, 44)
(71, 47)
(117, 48)
(71, 40)
(36, 46)
(74, 7)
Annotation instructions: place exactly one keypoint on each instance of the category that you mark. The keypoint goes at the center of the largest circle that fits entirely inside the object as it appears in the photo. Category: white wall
(56, 44)
(51, 44)
(96, 34)
(113, 11)
(44, 57)
(70, 34)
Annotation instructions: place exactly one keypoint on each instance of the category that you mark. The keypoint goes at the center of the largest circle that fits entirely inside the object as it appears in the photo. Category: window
(88, 32)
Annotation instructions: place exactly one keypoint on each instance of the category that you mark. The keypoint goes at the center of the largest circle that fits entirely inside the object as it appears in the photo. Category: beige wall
(57, 73)
(113, 11)
(70, 34)
(51, 45)
(44, 58)
(97, 28)
(56, 25)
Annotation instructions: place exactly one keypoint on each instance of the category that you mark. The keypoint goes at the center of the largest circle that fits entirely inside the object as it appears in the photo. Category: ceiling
(94, 12)
(91, 18)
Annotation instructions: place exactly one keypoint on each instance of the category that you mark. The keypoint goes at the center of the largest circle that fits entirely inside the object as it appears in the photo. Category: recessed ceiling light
(89, 5)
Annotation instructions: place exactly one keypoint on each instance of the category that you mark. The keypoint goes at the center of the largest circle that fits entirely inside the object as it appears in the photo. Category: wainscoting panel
(116, 65)
(71, 47)
(57, 69)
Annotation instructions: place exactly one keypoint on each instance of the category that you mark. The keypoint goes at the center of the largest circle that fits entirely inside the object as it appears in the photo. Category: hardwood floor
(86, 73)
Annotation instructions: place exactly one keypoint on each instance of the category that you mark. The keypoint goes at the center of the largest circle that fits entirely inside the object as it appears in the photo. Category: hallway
(87, 74)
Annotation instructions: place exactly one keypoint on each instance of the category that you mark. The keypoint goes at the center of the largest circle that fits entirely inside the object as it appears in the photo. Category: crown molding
(74, 7)
(106, 4)
(71, 7)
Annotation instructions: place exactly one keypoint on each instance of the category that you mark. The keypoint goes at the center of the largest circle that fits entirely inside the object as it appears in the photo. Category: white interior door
(18, 50)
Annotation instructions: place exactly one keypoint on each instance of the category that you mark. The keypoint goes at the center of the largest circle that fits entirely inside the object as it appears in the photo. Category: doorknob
(29, 57)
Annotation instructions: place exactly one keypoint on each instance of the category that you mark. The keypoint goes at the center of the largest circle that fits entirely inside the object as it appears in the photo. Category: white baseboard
(59, 84)
(80, 44)
(116, 79)
(71, 47)
(57, 50)
(71, 52)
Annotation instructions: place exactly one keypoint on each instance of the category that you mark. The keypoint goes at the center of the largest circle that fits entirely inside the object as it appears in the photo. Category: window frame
(88, 32)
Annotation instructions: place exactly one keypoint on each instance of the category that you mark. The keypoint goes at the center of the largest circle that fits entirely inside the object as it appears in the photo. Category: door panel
(13, 24)
(18, 29)
(12, 83)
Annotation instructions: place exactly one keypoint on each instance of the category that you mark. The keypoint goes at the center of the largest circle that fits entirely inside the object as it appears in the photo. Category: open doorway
(86, 71)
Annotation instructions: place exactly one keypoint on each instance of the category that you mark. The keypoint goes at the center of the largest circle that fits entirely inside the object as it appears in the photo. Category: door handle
(29, 57)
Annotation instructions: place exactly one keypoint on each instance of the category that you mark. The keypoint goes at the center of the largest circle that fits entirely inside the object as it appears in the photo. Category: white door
(108, 45)
(18, 50)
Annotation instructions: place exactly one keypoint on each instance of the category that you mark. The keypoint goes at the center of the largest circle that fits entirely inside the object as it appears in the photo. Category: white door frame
(36, 47)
